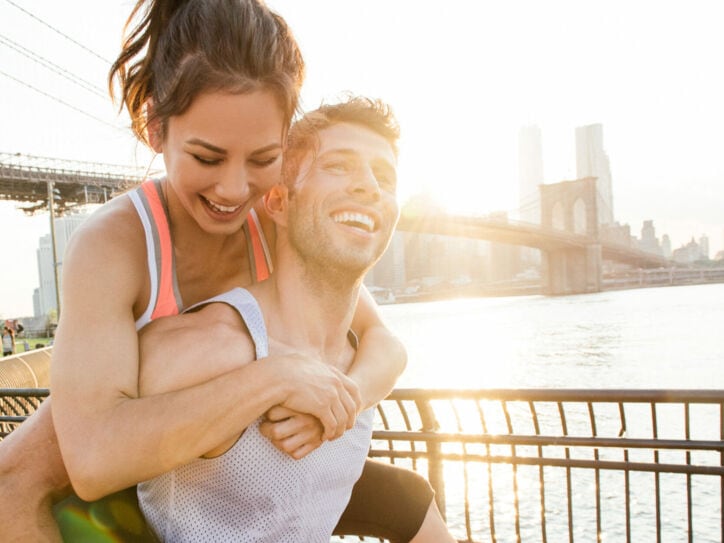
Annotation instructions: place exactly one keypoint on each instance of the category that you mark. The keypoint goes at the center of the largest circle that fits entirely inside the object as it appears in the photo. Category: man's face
(344, 207)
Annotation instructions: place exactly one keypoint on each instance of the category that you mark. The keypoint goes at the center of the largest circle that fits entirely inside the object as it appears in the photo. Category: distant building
(618, 233)
(666, 246)
(389, 272)
(36, 302)
(592, 161)
(704, 247)
(649, 242)
(691, 252)
(530, 173)
(64, 228)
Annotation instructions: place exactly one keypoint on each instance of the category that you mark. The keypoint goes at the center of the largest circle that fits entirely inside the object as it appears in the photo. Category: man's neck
(309, 309)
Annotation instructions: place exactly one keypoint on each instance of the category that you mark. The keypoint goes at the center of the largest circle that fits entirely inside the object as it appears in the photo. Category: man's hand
(296, 434)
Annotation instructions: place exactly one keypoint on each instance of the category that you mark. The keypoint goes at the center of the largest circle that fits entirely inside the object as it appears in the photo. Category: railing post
(435, 472)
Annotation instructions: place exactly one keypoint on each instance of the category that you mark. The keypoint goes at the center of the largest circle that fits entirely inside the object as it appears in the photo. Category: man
(334, 217)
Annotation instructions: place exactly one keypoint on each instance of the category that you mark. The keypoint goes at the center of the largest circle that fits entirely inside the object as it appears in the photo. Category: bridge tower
(571, 206)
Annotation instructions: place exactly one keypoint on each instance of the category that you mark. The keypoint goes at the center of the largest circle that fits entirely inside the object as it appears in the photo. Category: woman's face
(222, 155)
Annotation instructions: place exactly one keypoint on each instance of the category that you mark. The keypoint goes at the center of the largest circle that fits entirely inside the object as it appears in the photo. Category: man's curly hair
(303, 137)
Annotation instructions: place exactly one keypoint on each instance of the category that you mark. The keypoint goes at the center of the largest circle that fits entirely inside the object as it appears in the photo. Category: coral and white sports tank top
(165, 299)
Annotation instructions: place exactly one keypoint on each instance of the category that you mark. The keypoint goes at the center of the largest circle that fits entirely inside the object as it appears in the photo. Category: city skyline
(461, 99)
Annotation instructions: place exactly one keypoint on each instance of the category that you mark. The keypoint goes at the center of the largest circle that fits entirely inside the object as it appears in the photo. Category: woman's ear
(276, 204)
(154, 128)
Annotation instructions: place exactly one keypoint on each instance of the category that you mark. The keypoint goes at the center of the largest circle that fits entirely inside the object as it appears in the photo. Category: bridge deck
(25, 178)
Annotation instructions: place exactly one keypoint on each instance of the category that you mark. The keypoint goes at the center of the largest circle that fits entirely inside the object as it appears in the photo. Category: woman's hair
(303, 137)
(181, 48)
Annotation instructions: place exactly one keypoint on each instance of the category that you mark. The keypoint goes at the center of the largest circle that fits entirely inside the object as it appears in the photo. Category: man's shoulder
(216, 319)
(217, 316)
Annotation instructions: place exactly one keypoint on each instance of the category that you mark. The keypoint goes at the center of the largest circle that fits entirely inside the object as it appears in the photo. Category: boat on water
(382, 295)
(529, 464)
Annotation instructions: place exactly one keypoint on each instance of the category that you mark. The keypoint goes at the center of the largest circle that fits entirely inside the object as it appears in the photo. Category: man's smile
(355, 219)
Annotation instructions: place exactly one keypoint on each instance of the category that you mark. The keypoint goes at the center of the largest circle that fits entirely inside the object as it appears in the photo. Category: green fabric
(113, 519)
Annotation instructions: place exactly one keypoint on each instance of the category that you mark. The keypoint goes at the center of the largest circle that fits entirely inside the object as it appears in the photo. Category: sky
(463, 76)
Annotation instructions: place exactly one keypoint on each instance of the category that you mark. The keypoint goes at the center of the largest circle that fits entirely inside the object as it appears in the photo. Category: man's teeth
(359, 220)
(222, 209)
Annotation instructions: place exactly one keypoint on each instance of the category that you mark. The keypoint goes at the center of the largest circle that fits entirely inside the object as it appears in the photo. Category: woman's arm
(182, 351)
(380, 360)
(381, 357)
(110, 437)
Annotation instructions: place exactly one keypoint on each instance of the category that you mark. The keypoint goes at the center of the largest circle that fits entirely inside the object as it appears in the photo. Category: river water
(669, 337)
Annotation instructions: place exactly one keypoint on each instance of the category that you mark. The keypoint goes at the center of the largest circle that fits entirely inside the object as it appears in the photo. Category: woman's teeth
(221, 209)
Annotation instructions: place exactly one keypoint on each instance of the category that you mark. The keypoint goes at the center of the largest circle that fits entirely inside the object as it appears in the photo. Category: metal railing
(549, 464)
(557, 465)
(16, 404)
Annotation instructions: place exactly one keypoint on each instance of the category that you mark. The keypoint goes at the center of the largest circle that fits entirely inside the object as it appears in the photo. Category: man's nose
(365, 182)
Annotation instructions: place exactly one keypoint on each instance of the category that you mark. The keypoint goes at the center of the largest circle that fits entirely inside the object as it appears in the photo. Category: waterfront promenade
(565, 417)
(620, 280)
(530, 464)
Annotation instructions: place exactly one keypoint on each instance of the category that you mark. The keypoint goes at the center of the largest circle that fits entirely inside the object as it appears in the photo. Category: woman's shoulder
(114, 222)
(111, 236)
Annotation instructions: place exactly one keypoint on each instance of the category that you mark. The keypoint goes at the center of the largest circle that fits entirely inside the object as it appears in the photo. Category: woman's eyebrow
(270, 147)
(219, 150)
(207, 145)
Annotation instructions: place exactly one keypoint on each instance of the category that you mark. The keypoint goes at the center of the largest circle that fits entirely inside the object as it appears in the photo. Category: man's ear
(276, 203)
(154, 128)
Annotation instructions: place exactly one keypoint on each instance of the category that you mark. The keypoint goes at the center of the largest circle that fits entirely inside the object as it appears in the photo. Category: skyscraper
(64, 227)
(530, 172)
(704, 246)
(649, 242)
(592, 161)
(666, 246)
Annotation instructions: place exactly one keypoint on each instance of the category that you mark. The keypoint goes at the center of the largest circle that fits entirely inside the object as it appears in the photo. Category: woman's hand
(296, 434)
(322, 391)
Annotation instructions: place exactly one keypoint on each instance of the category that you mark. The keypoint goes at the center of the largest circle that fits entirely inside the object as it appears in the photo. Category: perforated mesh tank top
(254, 492)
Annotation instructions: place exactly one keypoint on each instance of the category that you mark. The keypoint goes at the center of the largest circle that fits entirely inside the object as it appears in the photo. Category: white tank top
(253, 492)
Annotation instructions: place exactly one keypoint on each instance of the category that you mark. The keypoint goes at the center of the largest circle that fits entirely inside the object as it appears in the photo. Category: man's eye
(386, 180)
(207, 161)
(387, 183)
(339, 167)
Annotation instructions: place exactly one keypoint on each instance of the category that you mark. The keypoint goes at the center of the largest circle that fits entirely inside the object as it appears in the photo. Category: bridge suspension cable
(49, 65)
(58, 70)
(51, 27)
(66, 104)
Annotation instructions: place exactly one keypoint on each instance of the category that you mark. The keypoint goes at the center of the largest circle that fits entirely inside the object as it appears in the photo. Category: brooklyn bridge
(572, 245)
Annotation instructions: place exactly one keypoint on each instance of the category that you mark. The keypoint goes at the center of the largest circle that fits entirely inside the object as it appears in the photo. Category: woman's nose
(233, 186)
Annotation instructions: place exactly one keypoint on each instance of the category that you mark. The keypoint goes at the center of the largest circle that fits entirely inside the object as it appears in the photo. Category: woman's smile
(223, 211)
(222, 154)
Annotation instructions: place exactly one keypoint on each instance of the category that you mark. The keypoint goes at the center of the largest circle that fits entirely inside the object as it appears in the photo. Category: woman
(238, 61)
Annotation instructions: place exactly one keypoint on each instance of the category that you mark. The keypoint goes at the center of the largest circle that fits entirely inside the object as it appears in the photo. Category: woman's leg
(388, 501)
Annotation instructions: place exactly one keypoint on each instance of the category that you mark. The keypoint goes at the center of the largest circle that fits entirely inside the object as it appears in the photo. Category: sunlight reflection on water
(649, 338)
